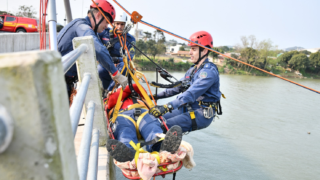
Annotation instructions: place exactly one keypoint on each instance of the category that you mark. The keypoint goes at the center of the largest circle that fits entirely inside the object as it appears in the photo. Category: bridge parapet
(33, 94)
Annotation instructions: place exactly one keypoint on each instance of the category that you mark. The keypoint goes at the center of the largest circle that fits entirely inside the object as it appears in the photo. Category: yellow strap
(156, 155)
(134, 122)
(134, 106)
(144, 94)
(192, 115)
(223, 96)
(140, 118)
(116, 109)
(138, 151)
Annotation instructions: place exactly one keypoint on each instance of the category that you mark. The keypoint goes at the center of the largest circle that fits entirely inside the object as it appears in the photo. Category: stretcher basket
(164, 165)
(163, 173)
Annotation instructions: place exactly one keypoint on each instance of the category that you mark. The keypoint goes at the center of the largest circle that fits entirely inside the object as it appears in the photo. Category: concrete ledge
(17, 42)
(33, 91)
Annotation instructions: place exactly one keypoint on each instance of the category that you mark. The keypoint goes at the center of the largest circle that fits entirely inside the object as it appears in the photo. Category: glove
(121, 79)
(154, 96)
(158, 111)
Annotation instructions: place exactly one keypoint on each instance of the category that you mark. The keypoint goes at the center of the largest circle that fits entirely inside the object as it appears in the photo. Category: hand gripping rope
(182, 38)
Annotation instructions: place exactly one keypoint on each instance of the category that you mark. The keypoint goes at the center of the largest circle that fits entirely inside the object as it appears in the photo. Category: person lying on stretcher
(134, 122)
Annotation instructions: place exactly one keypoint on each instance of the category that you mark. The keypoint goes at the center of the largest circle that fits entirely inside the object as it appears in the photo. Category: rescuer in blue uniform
(89, 26)
(113, 45)
(195, 107)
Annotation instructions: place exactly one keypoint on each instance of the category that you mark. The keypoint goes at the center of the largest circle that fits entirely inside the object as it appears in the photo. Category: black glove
(158, 111)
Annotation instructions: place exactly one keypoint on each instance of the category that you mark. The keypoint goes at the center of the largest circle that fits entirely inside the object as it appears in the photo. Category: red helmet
(106, 7)
(201, 37)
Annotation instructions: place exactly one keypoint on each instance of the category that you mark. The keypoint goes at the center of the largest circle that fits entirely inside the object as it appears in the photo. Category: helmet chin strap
(96, 25)
(200, 58)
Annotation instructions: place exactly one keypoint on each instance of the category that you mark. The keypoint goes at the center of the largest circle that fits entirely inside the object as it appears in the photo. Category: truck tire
(21, 30)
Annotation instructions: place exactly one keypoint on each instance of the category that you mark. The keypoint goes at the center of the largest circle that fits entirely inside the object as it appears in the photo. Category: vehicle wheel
(21, 31)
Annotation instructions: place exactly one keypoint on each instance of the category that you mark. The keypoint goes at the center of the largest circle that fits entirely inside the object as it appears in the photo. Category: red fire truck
(17, 24)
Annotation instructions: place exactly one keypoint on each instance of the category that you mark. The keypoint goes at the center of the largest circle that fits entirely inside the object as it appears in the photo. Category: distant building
(173, 49)
(181, 54)
(138, 34)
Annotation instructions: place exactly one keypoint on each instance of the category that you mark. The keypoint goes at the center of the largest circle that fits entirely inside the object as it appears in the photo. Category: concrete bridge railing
(18, 42)
(35, 110)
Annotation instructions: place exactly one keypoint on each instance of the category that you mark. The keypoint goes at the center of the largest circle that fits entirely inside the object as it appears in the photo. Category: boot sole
(172, 140)
(119, 151)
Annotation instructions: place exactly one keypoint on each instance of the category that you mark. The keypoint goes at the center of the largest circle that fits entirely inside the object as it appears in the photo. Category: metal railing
(69, 59)
(76, 107)
(87, 151)
(84, 151)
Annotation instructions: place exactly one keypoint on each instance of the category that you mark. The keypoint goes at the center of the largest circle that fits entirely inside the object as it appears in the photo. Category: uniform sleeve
(170, 91)
(102, 53)
(206, 78)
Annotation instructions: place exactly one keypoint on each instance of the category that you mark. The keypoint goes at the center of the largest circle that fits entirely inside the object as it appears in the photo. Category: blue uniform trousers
(125, 131)
(181, 117)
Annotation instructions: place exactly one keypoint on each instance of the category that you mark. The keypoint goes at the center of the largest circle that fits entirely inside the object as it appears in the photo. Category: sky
(286, 23)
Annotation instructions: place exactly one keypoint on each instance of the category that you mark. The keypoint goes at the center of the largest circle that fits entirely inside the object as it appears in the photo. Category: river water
(270, 129)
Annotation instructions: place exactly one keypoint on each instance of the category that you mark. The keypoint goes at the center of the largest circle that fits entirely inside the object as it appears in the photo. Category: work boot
(172, 140)
(119, 151)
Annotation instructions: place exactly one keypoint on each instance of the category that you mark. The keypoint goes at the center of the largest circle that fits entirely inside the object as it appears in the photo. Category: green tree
(141, 45)
(26, 11)
(147, 35)
(305, 52)
(225, 48)
(59, 27)
(172, 42)
(181, 48)
(315, 61)
(5, 12)
(231, 61)
(213, 54)
(286, 57)
(250, 56)
(155, 48)
(299, 61)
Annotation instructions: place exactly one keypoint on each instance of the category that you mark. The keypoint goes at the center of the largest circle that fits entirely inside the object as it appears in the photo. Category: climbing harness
(193, 117)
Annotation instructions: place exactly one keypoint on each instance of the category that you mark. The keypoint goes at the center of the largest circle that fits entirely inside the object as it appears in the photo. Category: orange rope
(155, 103)
(222, 54)
(126, 48)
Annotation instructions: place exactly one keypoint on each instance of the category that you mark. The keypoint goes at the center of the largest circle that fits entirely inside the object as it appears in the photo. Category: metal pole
(68, 10)
(76, 107)
(69, 59)
(52, 19)
(84, 151)
(6, 129)
(94, 153)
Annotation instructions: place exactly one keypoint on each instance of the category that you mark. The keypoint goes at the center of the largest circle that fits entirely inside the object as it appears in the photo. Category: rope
(42, 23)
(182, 38)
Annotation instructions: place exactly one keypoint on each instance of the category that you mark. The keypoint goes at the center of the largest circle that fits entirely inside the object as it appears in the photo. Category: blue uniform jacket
(204, 86)
(79, 28)
(115, 50)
